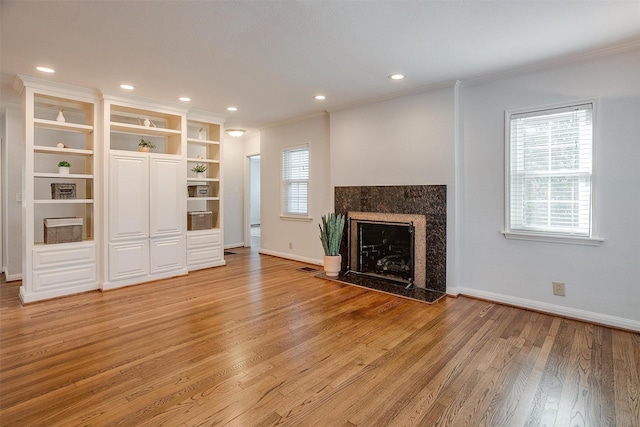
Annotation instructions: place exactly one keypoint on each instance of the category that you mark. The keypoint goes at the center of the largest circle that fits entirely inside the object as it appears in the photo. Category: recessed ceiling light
(236, 132)
(396, 76)
(184, 98)
(320, 97)
(127, 87)
(232, 108)
(46, 69)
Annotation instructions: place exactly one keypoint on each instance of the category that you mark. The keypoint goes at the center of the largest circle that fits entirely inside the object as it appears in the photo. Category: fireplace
(387, 246)
(425, 206)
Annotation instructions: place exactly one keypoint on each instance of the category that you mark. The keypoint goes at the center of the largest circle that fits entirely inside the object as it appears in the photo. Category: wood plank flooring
(258, 343)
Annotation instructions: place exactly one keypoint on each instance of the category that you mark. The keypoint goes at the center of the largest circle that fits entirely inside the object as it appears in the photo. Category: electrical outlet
(558, 288)
(18, 197)
(290, 245)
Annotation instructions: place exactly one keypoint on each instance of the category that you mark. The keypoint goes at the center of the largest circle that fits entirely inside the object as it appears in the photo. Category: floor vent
(229, 253)
(308, 269)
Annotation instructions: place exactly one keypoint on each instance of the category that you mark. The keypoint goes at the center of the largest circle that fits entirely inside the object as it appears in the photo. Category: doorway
(252, 226)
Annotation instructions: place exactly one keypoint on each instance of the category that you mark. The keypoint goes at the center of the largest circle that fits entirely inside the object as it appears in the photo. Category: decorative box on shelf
(63, 191)
(198, 190)
(199, 220)
(62, 230)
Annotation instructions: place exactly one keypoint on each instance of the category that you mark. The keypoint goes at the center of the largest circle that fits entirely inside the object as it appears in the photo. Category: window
(295, 181)
(549, 171)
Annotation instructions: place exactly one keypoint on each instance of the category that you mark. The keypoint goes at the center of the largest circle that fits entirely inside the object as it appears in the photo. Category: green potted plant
(199, 169)
(63, 167)
(331, 237)
(145, 145)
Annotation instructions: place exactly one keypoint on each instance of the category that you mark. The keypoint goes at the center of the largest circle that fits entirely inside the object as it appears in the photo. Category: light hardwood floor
(258, 343)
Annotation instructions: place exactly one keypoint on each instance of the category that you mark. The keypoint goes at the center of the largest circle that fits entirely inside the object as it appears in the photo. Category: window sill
(569, 240)
(296, 218)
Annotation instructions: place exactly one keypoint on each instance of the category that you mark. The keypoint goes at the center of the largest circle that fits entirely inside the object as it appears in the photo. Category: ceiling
(269, 58)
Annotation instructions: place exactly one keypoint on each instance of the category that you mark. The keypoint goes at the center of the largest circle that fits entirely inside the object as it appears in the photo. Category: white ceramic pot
(200, 175)
(332, 265)
(62, 170)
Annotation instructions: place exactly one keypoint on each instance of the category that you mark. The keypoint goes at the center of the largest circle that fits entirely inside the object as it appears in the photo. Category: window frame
(549, 235)
(283, 213)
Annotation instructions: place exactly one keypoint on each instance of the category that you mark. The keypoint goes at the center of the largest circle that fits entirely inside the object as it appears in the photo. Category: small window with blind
(295, 182)
(549, 173)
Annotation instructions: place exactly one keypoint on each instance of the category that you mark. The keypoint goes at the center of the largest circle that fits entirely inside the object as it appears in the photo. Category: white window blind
(295, 181)
(550, 171)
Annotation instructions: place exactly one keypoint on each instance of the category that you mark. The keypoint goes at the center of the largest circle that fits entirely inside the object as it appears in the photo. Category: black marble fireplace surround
(427, 200)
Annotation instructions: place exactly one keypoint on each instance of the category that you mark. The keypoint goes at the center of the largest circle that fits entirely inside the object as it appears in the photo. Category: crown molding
(295, 120)
(416, 91)
(547, 65)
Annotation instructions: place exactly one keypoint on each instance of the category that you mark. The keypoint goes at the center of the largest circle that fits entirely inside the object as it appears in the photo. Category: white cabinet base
(204, 249)
(60, 269)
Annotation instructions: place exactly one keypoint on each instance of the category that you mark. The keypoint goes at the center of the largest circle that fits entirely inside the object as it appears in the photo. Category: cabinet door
(128, 260)
(168, 199)
(128, 197)
(167, 254)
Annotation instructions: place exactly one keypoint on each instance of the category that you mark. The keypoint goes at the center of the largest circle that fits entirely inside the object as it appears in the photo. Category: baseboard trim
(291, 256)
(572, 313)
(234, 245)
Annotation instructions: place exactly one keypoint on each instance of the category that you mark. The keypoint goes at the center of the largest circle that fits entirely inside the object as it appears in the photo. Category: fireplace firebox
(384, 249)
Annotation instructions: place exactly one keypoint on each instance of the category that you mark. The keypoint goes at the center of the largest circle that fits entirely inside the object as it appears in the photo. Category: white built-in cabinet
(54, 115)
(147, 193)
(133, 204)
(205, 247)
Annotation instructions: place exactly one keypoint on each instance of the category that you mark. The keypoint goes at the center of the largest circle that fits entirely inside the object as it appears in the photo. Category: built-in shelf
(203, 179)
(60, 176)
(56, 150)
(196, 160)
(143, 130)
(202, 141)
(53, 245)
(64, 126)
(62, 201)
(203, 198)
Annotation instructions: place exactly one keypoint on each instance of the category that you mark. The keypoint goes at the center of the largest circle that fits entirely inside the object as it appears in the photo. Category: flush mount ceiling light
(126, 86)
(396, 77)
(236, 132)
(45, 69)
(184, 98)
(320, 97)
(232, 108)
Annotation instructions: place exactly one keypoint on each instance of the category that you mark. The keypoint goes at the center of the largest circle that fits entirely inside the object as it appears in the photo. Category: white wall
(603, 282)
(402, 141)
(254, 202)
(232, 189)
(13, 157)
(276, 233)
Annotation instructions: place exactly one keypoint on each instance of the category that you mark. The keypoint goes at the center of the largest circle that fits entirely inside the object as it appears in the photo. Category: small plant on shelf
(145, 145)
(199, 168)
(63, 167)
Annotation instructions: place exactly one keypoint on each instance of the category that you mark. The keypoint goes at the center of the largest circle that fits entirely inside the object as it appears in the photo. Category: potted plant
(63, 167)
(331, 237)
(199, 169)
(145, 145)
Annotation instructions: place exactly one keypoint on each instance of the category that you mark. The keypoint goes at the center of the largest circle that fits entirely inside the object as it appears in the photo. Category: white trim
(234, 245)
(574, 313)
(12, 277)
(571, 240)
(291, 257)
(458, 194)
(296, 218)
